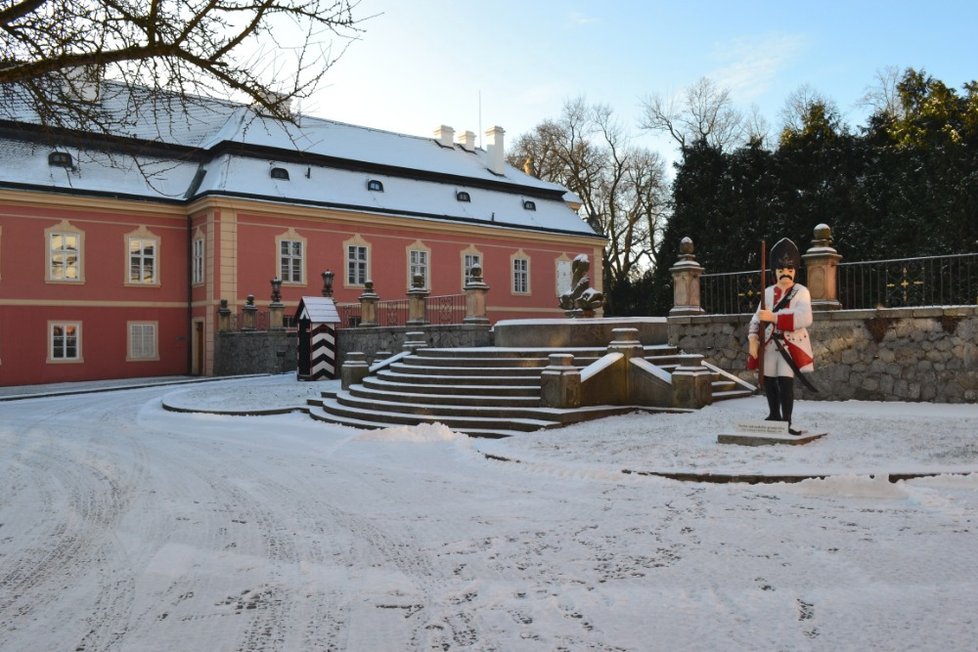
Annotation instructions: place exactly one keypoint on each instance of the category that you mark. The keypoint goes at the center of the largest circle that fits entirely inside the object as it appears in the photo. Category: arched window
(529, 205)
(373, 184)
(280, 173)
(461, 195)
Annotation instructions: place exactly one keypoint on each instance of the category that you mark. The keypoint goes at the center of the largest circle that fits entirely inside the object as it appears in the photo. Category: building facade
(116, 251)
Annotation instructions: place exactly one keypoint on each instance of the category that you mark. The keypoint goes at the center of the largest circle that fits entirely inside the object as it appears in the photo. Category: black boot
(786, 390)
(773, 404)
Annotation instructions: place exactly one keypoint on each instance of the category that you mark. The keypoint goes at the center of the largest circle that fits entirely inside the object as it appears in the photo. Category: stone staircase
(486, 391)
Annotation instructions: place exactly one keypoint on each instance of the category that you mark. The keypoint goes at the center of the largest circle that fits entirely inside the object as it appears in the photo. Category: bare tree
(884, 95)
(269, 51)
(705, 112)
(798, 106)
(623, 188)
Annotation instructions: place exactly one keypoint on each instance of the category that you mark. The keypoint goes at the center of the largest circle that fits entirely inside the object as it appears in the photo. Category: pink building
(115, 252)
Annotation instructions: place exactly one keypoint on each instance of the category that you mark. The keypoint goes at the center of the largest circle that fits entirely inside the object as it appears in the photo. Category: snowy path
(124, 527)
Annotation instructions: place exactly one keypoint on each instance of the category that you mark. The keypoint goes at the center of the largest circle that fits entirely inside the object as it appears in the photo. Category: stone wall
(254, 352)
(902, 354)
(272, 352)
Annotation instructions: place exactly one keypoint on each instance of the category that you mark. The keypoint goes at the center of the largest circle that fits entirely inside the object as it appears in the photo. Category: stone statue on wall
(581, 296)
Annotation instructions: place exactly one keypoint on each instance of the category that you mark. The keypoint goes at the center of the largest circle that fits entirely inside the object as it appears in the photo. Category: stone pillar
(686, 282)
(692, 383)
(275, 309)
(368, 305)
(475, 297)
(560, 382)
(354, 369)
(821, 270)
(626, 342)
(224, 317)
(417, 302)
(414, 340)
(249, 314)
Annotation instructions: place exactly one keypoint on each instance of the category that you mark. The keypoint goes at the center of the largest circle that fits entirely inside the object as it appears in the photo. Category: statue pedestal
(766, 433)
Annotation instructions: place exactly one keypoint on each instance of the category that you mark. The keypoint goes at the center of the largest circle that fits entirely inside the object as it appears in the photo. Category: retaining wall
(899, 354)
(254, 352)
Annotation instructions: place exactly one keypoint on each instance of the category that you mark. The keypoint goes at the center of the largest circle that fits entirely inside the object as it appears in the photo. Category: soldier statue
(778, 333)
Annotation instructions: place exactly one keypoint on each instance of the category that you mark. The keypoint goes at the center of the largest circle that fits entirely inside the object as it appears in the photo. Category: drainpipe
(190, 295)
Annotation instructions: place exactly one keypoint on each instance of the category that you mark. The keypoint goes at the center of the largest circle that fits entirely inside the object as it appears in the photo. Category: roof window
(373, 184)
(529, 205)
(461, 195)
(280, 173)
(60, 159)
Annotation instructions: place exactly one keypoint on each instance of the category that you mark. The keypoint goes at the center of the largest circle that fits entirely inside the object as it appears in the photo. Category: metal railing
(443, 309)
(730, 292)
(906, 282)
(950, 280)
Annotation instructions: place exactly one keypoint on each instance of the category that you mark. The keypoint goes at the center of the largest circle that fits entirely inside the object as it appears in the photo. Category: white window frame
(58, 352)
(142, 341)
(418, 262)
(197, 260)
(356, 262)
(64, 230)
(291, 238)
(519, 265)
(291, 260)
(138, 261)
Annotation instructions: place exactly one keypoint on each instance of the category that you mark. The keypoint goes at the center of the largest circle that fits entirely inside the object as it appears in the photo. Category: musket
(762, 326)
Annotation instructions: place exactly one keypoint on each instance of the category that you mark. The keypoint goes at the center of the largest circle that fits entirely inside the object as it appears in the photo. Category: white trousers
(775, 364)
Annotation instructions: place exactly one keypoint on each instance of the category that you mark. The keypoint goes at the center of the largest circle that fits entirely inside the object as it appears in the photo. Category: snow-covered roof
(318, 310)
(207, 147)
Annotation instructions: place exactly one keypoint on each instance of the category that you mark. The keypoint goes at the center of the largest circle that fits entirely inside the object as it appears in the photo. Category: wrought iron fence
(444, 309)
(238, 321)
(730, 292)
(950, 280)
(349, 314)
(928, 281)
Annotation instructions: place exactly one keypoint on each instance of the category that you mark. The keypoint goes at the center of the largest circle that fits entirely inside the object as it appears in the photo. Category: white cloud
(751, 65)
(578, 18)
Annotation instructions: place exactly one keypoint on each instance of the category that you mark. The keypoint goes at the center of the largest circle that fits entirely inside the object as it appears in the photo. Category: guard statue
(778, 333)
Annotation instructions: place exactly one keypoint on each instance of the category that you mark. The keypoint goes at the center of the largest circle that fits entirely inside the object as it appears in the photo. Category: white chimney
(495, 150)
(83, 82)
(445, 136)
(467, 141)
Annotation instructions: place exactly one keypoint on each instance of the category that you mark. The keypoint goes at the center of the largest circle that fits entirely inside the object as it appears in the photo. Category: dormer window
(60, 159)
(461, 195)
(280, 173)
(529, 205)
(373, 184)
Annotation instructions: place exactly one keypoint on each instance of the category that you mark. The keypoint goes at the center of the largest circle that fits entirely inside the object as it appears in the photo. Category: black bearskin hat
(785, 254)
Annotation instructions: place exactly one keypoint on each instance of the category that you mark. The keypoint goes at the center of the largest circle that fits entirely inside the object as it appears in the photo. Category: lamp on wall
(276, 290)
(327, 283)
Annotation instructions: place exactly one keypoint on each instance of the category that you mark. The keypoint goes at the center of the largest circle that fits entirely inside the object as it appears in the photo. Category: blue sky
(422, 63)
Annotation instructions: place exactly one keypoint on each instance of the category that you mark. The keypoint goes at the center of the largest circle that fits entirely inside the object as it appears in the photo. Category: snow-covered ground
(127, 527)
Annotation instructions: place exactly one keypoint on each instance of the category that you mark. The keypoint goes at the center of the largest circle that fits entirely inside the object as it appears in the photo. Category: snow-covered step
(450, 401)
(487, 409)
(444, 370)
(388, 414)
(415, 384)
